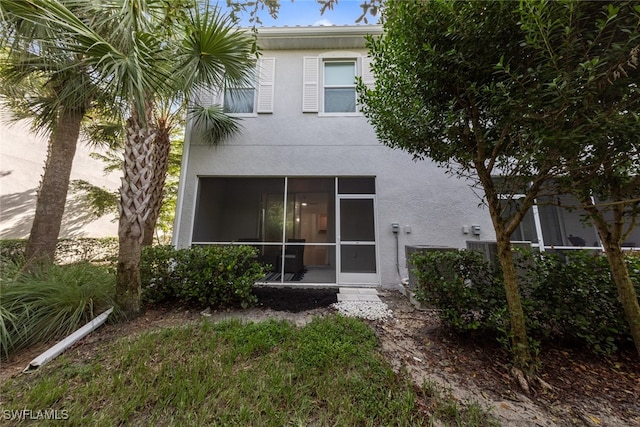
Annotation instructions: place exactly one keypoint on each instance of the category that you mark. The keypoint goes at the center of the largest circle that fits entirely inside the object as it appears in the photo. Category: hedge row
(569, 298)
(67, 250)
(214, 276)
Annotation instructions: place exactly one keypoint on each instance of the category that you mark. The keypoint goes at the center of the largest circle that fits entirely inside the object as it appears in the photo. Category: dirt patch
(585, 391)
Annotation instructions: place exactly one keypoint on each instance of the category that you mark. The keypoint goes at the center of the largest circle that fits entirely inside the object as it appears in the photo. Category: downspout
(61, 346)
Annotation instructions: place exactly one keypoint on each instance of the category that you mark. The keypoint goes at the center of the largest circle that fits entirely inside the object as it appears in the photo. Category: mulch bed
(294, 300)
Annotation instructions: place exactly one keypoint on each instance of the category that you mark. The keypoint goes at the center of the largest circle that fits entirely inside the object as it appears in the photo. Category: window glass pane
(239, 101)
(563, 227)
(271, 214)
(358, 259)
(633, 239)
(270, 255)
(304, 263)
(526, 231)
(311, 210)
(356, 220)
(550, 224)
(339, 73)
(356, 185)
(341, 100)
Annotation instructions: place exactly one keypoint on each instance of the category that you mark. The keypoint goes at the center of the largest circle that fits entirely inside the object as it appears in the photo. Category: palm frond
(214, 51)
(212, 124)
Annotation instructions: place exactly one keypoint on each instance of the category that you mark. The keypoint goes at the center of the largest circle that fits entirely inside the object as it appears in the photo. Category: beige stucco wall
(22, 158)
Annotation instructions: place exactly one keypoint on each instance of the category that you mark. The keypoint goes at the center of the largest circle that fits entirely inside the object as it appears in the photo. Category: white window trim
(353, 61)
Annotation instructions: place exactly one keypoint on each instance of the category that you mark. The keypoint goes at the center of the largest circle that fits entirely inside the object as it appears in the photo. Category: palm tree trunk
(134, 203)
(161, 149)
(52, 193)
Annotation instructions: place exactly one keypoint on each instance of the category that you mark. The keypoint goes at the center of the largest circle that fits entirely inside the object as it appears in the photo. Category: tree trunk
(626, 291)
(52, 194)
(128, 290)
(519, 341)
(611, 234)
(134, 201)
(161, 150)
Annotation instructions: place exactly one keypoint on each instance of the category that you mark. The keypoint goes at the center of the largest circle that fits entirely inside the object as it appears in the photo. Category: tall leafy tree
(587, 54)
(518, 97)
(138, 51)
(438, 95)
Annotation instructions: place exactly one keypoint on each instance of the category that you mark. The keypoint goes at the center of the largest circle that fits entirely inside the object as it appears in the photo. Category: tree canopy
(512, 90)
(139, 53)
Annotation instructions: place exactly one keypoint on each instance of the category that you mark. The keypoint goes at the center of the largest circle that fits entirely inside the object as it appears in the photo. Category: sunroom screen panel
(239, 209)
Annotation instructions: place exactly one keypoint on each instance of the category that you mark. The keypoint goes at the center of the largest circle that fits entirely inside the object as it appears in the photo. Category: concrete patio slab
(358, 294)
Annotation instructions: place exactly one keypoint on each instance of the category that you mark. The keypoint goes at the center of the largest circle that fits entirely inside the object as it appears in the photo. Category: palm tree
(152, 48)
(169, 114)
(52, 88)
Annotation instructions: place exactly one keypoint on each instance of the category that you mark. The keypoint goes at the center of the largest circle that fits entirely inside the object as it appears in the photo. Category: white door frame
(356, 278)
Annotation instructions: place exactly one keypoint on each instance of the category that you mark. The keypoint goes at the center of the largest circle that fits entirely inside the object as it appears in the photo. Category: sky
(307, 12)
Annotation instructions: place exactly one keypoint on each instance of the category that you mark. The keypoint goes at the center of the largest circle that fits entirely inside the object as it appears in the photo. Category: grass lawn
(236, 374)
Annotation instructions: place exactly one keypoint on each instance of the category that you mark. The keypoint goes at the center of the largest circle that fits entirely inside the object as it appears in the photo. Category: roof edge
(310, 37)
(312, 31)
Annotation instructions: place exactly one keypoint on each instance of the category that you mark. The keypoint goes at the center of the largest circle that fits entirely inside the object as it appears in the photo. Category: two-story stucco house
(308, 183)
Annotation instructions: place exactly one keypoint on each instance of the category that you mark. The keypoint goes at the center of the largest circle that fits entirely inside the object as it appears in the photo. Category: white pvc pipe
(61, 346)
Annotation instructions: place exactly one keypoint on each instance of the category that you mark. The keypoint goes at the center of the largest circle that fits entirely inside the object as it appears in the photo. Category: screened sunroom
(314, 230)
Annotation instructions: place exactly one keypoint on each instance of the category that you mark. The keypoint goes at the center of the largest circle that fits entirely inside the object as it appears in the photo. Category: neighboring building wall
(22, 158)
(430, 206)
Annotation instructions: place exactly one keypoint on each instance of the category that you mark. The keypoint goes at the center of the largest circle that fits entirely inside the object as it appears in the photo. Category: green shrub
(215, 276)
(579, 301)
(87, 249)
(51, 302)
(462, 285)
(569, 297)
(12, 250)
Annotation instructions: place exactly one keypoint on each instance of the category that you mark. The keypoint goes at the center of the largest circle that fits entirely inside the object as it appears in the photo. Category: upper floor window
(240, 99)
(329, 82)
(339, 87)
(250, 98)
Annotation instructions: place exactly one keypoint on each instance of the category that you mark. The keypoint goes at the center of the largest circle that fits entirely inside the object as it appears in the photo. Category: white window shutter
(310, 84)
(367, 74)
(266, 80)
